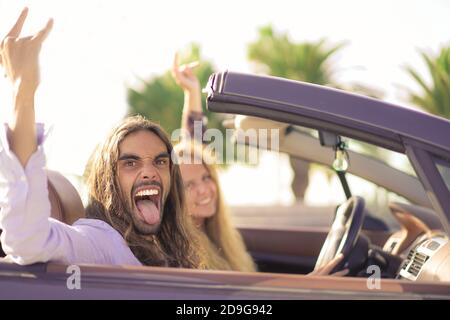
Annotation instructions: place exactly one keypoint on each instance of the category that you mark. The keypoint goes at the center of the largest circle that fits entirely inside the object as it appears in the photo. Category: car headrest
(64, 198)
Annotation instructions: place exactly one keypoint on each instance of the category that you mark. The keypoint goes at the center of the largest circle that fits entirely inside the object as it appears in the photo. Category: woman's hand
(188, 81)
(185, 77)
(19, 56)
(326, 269)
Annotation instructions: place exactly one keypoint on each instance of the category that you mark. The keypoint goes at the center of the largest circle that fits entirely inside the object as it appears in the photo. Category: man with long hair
(135, 214)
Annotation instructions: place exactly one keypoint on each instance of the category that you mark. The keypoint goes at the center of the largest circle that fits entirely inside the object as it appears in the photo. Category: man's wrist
(24, 96)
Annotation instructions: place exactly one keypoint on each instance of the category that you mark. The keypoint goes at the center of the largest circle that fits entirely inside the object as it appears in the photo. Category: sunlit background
(97, 48)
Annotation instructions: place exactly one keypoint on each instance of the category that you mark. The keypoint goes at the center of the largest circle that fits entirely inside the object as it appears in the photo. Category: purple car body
(423, 137)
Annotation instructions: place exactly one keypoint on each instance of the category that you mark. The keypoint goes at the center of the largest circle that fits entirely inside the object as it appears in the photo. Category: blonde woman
(225, 247)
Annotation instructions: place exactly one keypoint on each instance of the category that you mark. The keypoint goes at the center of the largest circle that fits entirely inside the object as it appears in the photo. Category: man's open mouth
(148, 202)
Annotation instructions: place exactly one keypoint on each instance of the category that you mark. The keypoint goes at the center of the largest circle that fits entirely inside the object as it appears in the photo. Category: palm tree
(161, 99)
(275, 54)
(435, 97)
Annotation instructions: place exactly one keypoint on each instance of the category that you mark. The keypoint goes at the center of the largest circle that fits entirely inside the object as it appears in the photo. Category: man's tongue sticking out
(149, 211)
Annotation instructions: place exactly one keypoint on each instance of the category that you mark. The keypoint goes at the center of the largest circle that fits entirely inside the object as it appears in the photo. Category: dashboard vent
(418, 257)
(410, 255)
(408, 259)
(418, 261)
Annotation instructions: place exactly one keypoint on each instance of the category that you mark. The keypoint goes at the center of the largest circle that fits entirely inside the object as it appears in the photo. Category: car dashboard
(428, 259)
(421, 243)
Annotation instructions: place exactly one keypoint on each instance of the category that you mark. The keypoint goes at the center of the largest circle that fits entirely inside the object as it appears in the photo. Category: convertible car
(403, 253)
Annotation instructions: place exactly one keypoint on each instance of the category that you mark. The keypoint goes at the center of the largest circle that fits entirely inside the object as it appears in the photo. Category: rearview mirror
(329, 139)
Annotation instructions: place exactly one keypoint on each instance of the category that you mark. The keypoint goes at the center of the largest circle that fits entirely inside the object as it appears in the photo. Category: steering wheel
(344, 232)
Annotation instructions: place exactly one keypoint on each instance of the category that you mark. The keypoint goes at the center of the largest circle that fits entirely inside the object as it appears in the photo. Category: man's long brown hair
(176, 244)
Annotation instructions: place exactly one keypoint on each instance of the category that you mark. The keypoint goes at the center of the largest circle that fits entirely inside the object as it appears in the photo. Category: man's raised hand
(19, 56)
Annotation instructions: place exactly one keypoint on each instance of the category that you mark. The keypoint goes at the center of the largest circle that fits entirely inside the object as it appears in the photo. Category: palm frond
(435, 96)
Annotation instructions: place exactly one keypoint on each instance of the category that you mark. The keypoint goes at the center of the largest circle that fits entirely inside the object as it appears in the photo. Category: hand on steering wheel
(342, 236)
(329, 267)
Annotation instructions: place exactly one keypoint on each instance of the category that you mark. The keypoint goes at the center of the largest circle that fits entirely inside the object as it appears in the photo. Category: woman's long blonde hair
(222, 242)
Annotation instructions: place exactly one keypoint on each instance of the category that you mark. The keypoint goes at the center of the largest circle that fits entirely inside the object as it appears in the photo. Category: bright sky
(97, 47)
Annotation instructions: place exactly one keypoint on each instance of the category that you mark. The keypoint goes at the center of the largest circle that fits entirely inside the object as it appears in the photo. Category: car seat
(66, 204)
